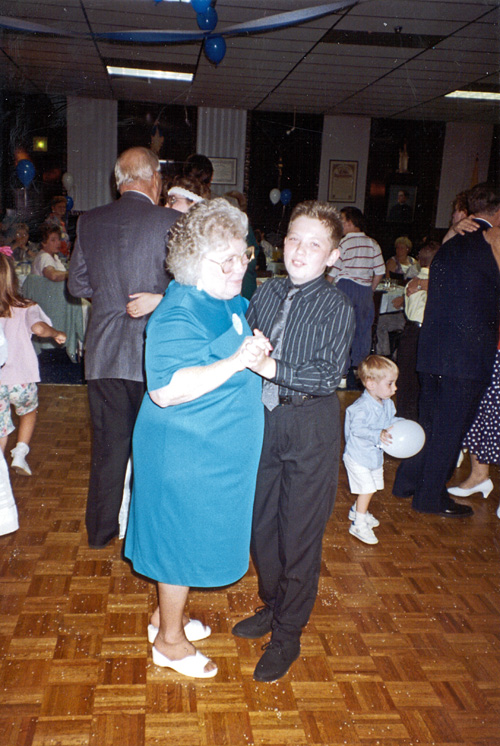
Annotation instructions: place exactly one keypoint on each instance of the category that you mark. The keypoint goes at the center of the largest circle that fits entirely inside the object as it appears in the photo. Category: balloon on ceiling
(215, 48)
(207, 21)
(165, 36)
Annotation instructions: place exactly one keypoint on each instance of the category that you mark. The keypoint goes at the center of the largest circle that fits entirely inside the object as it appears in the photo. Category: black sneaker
(277, 659)
(255, 626)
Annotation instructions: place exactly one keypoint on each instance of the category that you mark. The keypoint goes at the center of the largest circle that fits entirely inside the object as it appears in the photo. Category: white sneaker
(370, 519)
(498, 510)
(363, 532)
(343, 383)
(19, 463)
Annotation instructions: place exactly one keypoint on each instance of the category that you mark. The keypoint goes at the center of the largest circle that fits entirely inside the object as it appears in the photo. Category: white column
(463, 144)
(345, 139)
(92, 150)
(222, 134)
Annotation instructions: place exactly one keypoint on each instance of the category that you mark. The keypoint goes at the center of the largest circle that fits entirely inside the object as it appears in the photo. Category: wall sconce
(40, 144)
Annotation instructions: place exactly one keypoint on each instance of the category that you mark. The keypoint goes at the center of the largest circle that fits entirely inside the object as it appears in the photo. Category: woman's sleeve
(175, 339)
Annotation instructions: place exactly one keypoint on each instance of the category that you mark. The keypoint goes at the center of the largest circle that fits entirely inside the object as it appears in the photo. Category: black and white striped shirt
(317, 337)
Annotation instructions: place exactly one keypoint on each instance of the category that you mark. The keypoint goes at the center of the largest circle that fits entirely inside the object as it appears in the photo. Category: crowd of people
(228, 403)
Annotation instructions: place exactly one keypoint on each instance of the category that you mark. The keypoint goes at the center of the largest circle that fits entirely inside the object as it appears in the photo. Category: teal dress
(195, 464)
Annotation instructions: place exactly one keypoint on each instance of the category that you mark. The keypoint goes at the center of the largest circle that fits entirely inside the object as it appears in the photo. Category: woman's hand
(142, 304)
(386, 437)
(466, 225)
(398, 303)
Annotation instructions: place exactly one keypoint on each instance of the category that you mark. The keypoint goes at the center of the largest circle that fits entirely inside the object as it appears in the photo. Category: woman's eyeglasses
(230, 264)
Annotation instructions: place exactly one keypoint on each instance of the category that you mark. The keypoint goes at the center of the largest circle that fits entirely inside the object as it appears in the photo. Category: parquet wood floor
(403, 648)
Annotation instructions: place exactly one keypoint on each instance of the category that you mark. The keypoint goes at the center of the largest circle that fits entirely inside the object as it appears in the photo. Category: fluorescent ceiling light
(136, 72)
(478, 95)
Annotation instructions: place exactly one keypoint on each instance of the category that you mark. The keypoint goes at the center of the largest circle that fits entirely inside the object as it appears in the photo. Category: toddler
(367, 425)
(20, 318)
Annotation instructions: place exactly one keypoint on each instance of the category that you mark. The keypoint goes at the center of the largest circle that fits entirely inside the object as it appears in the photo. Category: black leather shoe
(255, 626)
(456, 510)
(277, 659)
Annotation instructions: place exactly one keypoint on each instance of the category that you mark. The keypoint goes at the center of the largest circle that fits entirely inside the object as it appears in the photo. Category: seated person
(415, 298)
(59, 207)
(47, 263)
(22, 248)
(402, 266)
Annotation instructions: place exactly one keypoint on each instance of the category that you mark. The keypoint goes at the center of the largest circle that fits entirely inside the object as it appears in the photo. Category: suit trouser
(295, 494)
(114, 404)
(447, 408)
(364, 314)
(408, 391)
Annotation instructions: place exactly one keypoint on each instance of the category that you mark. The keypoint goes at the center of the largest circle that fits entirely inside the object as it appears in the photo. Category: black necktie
(270, 391)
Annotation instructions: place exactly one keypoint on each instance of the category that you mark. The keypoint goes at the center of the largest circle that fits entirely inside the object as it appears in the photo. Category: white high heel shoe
(484, 487)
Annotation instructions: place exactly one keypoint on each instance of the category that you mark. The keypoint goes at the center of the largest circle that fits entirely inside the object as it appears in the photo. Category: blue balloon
(69, 203)
(286, 196)
(215, 48)
(201, 6)
(25, 171)
(207, 21)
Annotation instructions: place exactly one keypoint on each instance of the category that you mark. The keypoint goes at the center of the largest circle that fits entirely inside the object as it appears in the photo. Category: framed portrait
(224, 170)
(401, 203)
(342, 181)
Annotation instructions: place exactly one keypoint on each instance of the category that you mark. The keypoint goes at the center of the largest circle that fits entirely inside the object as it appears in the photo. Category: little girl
(20, 318)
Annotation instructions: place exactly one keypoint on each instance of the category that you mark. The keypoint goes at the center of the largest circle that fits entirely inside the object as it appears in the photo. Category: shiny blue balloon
(25, 171)
(207, 21)
(286, 196)
(69, 203)
(201, 6)
(215, 48)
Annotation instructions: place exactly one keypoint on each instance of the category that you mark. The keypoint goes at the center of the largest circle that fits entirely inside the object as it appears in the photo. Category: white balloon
(67, 181)
(408, 438)
(275, 196)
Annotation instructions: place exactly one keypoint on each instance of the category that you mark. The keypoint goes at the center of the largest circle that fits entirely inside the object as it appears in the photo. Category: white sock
(360, 518)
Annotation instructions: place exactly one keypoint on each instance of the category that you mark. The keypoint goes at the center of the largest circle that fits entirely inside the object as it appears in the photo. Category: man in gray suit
(120, 247)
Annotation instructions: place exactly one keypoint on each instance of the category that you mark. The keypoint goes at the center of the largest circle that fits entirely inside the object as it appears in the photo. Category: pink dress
(22, 362)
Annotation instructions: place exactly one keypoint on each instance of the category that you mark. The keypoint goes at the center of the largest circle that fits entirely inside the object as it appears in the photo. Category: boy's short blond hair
(376, 367)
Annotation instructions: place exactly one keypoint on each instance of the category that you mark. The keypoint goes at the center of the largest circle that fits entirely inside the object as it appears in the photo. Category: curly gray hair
(207, 226)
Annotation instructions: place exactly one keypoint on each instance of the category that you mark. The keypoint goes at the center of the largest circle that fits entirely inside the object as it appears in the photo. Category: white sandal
(194, 631)
(191, 665)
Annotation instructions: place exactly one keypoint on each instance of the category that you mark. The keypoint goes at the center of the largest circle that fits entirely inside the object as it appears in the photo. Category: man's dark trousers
(114, 404)
(295, 494)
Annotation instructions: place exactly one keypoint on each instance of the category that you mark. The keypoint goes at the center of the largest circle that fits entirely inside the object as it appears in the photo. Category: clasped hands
(254, 354)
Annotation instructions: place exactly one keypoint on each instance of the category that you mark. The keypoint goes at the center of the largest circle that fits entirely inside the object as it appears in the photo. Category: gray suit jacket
(120, 249)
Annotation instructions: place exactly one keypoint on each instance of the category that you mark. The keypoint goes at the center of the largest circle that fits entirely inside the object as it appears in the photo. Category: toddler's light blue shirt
(364, 421)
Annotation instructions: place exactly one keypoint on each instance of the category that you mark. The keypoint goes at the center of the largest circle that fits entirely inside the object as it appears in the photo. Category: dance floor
(402, 649)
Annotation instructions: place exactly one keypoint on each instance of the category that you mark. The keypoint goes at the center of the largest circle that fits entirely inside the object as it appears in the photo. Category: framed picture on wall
(342, 181)
(401, 203)
(224, 170)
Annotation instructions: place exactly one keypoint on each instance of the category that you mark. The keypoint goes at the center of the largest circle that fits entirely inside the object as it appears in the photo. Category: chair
(64, 311)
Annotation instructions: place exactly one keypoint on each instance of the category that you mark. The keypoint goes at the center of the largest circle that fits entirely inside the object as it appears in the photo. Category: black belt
(415, 323)
(297, 399)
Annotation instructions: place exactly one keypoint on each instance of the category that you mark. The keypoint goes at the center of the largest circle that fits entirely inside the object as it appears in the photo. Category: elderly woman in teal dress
(198, 435)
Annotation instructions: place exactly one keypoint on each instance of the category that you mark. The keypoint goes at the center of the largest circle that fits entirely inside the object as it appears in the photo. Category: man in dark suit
(120, 247)
(457, 346)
